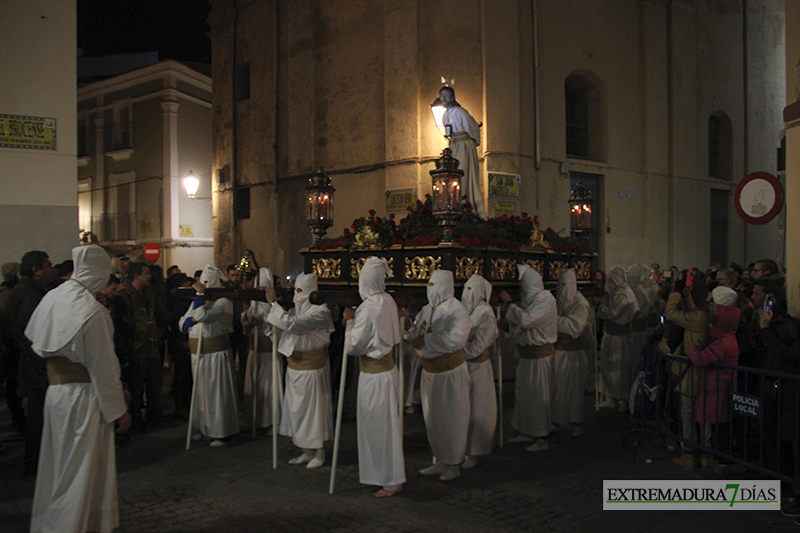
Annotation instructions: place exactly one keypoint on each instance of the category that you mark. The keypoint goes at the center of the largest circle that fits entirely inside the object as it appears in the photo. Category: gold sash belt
(481, 358)
(535, 352)
(309, 360)
(264, 343)
(443, 363)
(612, 328)
(639, 325)
(61, 371)
(370, 365)
(568, 344)
(219, 343)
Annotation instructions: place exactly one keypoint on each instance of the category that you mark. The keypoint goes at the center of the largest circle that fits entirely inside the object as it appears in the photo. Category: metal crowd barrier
(758, 415)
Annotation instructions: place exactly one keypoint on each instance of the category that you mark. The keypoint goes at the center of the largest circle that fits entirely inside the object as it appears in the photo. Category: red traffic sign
(151, 251)
(758, 198)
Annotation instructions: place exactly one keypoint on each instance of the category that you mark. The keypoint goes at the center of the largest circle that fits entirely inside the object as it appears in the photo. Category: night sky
(176, 28)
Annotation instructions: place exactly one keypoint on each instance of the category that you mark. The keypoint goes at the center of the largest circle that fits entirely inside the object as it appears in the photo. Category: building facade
(38, 201)
(139, 134)
(660, 107)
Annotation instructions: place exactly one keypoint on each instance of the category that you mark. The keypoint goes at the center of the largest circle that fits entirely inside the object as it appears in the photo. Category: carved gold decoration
(537, 265)
(504, 269)
(556, 267)
(467, 266)
(327, 268)
(421, 267)
(356, 264)
(583, 270)
(537, 238)
(367, 239)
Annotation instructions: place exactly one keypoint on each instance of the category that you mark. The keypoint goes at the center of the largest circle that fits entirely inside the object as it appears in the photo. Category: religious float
(441, 232)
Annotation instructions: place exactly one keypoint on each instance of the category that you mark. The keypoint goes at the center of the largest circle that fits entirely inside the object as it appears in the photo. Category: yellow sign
(504, 184)
(504, 208)
(186, 231)
(27, 132)
(400, 199)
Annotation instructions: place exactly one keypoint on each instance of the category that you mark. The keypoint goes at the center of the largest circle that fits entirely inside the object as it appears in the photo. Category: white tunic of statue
(535, 324)
(569, 360)
(465, 137)
(258, 312)
(76, 483)
(216, 412)
(618, 307)
(373, 334)
(482, 399)
(306, 411)
(444, 323)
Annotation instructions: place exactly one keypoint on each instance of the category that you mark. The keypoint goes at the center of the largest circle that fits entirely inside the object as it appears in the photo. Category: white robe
(380, 441)
(536, 325)
(76, 483)
(263, 360)
(482, 398)
(465, 150)
(570, 367)
(618, 307)
(216, 413)
(306, 409)
(445, 395)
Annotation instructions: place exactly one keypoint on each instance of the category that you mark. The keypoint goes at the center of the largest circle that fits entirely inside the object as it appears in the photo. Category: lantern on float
(320, 203)
(438, 109)
(580, 203)
(446, 182)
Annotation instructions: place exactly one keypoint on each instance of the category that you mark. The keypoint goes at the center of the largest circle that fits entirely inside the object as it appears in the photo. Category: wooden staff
(194, 384)
(275, 336)
(338, 431)
(499, 358)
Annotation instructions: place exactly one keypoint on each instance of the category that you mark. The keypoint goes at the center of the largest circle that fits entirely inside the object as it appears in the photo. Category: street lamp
(191, 183)
(446, 182)
(320, 204)
(580, 202)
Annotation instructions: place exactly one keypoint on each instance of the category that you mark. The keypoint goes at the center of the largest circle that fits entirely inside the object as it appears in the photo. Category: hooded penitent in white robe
(618, 307)
(636, 276)
(464, 139)
(569, 360)
(216, 413)
(482, 399)
(306, 413)
(650, 287)
(535, 323)
(444, 323)
(76, 484)
(373, 334)
(257, 312)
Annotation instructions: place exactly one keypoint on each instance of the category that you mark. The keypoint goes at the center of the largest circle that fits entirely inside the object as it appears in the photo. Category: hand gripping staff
(194, 383)
(339, 408)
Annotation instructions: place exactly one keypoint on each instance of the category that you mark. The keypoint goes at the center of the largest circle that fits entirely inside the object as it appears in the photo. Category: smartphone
(689, 278)
(769, 301)
(667, 274)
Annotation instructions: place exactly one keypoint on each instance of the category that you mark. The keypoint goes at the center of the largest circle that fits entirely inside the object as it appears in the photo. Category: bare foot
(383, 493)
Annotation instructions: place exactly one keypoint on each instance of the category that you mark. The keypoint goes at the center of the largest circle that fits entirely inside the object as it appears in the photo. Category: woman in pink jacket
(713, 404)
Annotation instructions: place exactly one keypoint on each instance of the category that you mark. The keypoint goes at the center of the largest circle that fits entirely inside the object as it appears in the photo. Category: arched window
(720, 146)
(584, 118)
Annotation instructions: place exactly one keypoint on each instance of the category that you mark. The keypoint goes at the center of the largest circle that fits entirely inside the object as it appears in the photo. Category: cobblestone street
(163, 487)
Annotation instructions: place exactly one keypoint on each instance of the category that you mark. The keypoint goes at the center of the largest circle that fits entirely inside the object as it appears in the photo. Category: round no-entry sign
(151, 251)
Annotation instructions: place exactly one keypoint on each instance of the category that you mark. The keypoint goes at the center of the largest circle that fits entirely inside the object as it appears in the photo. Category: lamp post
(446, 182)
(320, 204)
(580, 202)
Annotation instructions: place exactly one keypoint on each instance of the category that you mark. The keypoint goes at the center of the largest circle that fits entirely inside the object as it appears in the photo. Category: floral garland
(419, 228)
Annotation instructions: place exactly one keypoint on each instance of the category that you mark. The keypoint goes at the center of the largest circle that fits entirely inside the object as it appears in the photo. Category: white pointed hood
(64, 310)
(372, 279)
(531, 284)
(567, 288)
(381, 306)
(307, 283)
(440, 287)
(614, 278)
(211, 277)
(476, 290)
